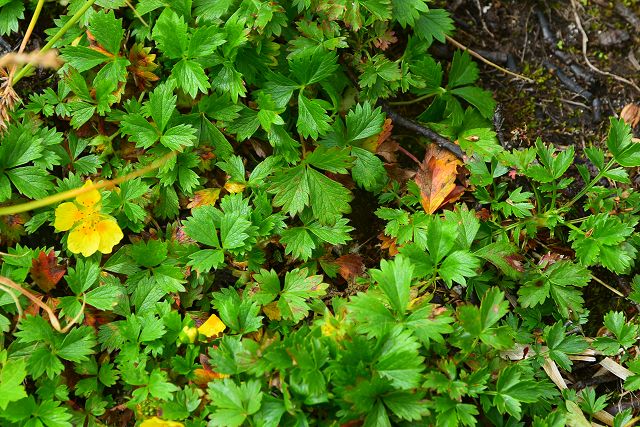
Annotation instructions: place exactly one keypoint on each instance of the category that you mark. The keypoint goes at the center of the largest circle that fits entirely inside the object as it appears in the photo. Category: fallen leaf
(436, 177)
(212, 327)
(207, 196)
(45, 271)
(202, 377)
(389, 243)
(631, 114)
(350, 266)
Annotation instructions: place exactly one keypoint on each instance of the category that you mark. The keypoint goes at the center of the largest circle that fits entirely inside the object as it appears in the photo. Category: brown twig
(585, 40)
(486, 61)
(53, 319)
(424, 131)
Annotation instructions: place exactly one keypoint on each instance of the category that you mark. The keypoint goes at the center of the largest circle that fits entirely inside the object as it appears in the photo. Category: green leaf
(480, 322)
(310, 69)
(458, 265)
(12, 374)
(82, 58)
(240, 315)
(312, 117)
(512, 390)
(561, 345)
(105, 297)
(233, 229)
(10, 13)
(233, 403)
(77, 344)
(406, 12)
(482, 141)
(299, 287)
(205, 260)
(328, 198)
(140, 131)
(190, 77)
(170, 34)
(178, 137)
(32, 181)
(479, 98)
(434, 24)
(368, 170)
(291, 188)
(162, 104)
(149, 254)
(298, 242)
(363, 122)
(517, 204)
(201, 226)
(620, 143)
(557, 281)
(602, 240)
(107, 30)
(463, 70)
(332, 159)
(394, 279)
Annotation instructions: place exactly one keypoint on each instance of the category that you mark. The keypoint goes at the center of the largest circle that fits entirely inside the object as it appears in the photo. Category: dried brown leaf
(436, 177)
(45, 271)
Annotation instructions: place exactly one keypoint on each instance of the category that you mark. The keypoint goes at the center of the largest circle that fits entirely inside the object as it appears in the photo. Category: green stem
(57, 36)
(593, 182)
(413, 101)
(571, 226)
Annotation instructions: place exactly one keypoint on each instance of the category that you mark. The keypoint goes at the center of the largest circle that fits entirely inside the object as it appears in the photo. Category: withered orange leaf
(436, 177)
(207, 196)
(45, 271)
(389, 243)
(350, 266)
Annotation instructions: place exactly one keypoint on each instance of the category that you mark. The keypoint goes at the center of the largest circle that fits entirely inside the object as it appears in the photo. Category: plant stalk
(57, 36)
(593, 182)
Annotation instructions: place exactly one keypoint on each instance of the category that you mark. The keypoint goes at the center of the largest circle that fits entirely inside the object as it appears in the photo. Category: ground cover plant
(239, 212)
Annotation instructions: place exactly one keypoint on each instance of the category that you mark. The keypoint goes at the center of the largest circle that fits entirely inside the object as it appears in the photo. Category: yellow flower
(91, 230)
(158, 422)
(212, 327)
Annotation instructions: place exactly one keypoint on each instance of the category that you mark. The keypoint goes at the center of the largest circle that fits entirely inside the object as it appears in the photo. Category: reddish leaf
(436, 177)
(388, 243)
(351, 266)
(45, 271)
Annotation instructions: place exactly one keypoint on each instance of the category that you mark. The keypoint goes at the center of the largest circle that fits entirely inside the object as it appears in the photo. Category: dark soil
(547, 108)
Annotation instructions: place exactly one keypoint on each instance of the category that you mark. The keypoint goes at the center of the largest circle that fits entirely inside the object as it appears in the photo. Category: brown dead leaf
(631, 114)
(45, 271)
(436, 177)
(350, 266)
(389, 243)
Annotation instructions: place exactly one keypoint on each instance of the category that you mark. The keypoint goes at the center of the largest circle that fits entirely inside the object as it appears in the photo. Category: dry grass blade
(615, 368)
(53, 319)
(48, 59)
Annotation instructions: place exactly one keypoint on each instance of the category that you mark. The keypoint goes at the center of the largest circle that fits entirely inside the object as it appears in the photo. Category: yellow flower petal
(67, 214)
(213, 326)
(84, 239)
(158, 422)
(90, 198)
(110, 234)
